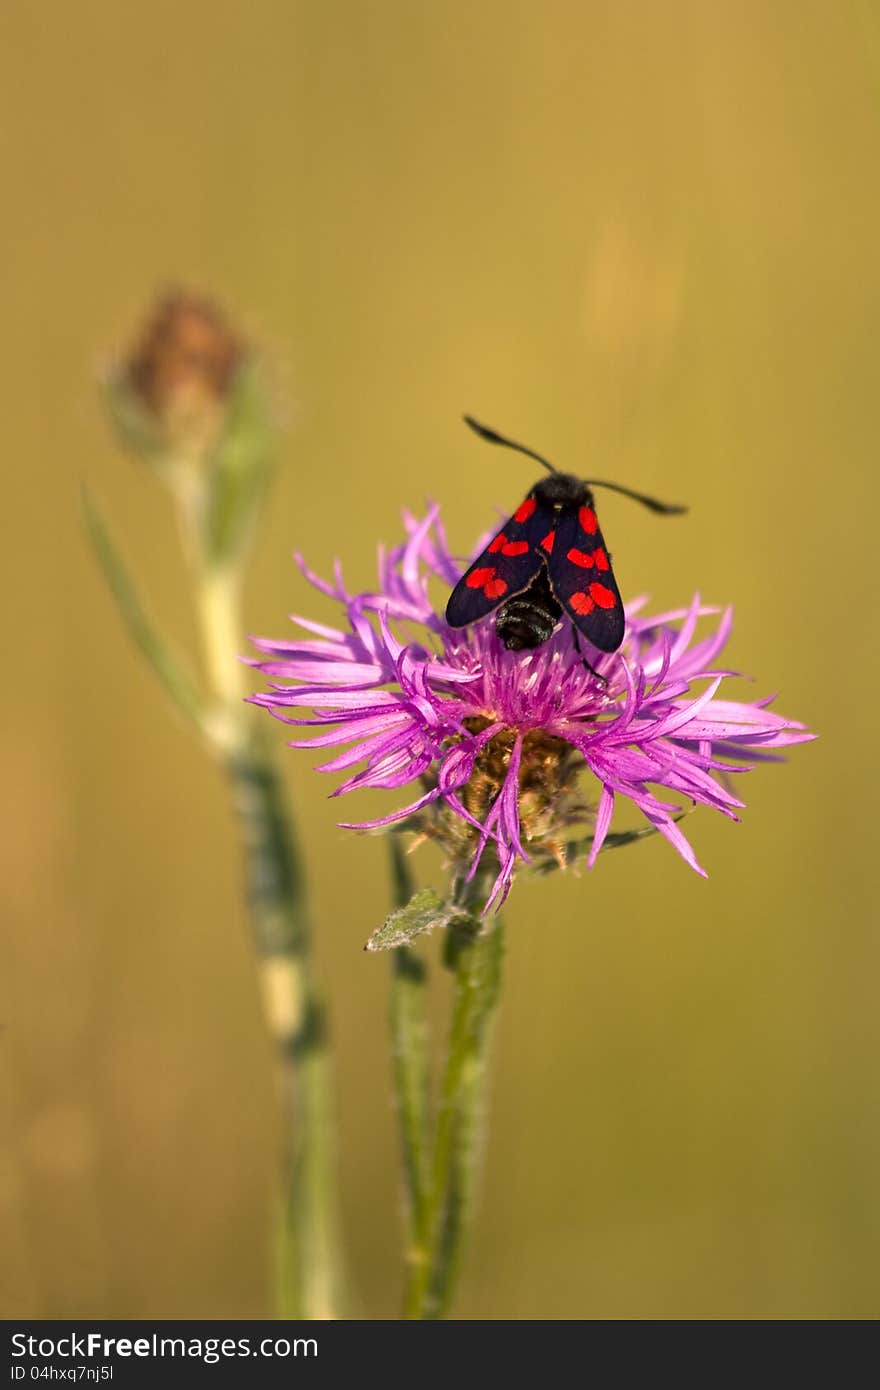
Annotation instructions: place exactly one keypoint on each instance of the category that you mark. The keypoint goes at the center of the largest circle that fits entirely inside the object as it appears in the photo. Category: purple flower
(492, 741)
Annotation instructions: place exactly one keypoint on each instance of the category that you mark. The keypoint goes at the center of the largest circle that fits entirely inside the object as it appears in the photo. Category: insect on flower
(548, 558)
(491, 742)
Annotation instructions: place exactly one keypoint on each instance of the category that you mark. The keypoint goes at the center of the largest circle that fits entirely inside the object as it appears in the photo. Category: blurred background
(642, 238)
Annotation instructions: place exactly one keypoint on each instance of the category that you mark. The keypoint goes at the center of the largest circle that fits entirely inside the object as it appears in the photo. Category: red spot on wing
(487, 579)
(548, 540)
(601, 559)
(525, 511)
(497, 544)
(515, 548)
(604, 598)
(478, 578)
(582, 603)
(578, 557)
(494, 588)
(587, 518)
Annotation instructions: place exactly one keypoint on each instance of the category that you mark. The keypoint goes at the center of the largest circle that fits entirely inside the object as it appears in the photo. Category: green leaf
(178, 684)
(424, 911)
(240, 466)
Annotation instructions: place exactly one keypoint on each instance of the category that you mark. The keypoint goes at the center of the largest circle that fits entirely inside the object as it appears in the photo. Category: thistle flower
(495, 741)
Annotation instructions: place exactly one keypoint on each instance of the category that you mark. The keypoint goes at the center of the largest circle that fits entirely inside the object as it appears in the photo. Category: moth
(550, 558)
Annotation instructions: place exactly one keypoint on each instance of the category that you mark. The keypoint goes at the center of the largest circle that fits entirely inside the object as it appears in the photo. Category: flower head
(494, 742)
(176, 385)
(188, 354)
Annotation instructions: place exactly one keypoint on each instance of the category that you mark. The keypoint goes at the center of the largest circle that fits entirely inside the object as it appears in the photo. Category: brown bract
(550, 801)
(182, 369)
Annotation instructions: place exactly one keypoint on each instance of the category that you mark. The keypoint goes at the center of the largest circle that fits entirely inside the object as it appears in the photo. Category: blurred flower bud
(186, 358)
(189, 398)
(172, 391)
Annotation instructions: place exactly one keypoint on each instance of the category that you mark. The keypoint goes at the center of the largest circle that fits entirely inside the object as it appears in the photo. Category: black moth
(549, 558)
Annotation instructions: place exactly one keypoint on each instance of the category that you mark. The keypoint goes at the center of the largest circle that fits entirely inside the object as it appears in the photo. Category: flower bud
(191, 400)
(172, 392)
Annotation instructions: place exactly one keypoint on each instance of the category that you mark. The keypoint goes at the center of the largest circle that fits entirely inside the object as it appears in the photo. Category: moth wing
(583, 581)
(508, 565)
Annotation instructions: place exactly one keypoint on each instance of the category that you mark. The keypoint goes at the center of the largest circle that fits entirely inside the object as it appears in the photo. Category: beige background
(644, 238)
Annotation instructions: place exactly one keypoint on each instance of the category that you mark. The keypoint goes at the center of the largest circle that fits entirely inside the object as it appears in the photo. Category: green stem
(309, 1263)
(218, 601)
(309, 1258)
(474, 954)
(411, 1063)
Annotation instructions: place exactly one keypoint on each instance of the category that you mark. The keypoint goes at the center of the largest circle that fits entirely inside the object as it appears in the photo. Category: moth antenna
(493, 437)
(665, 508)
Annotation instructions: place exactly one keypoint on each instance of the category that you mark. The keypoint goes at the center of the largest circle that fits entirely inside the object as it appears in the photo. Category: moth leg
(577, 646)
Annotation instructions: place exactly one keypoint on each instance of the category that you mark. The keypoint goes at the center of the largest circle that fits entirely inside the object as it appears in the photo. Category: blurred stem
(474, 951)
(409, 1040)
(309, 1254)
(309, 1262)
(219, 609)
